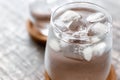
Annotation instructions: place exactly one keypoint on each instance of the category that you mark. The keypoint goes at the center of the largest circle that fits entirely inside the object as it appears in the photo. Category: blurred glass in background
(40, 11)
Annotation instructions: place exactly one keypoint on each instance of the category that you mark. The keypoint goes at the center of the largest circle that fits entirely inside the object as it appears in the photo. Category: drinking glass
(79, 54)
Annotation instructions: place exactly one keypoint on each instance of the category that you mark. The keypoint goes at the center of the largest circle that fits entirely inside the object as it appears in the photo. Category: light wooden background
(20, 58)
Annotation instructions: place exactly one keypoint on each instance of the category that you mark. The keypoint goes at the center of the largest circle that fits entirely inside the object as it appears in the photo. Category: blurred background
(20, 57)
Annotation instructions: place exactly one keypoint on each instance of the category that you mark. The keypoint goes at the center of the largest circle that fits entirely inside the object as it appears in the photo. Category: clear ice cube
(70, 16)
(63, 44)
(96, 17)
(76, 34)
(99, 49)
(73, 52)
(95, 39)
(71, 27)
(61, 25)
(97, 29)
(79, 34)
(75, 25)
(87, 52)
(69, 21)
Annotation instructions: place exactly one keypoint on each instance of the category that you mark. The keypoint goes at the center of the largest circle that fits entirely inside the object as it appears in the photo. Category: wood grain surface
(20, 57)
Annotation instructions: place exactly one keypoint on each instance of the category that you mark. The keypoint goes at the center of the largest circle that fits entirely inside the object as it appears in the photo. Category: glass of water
(79, 43)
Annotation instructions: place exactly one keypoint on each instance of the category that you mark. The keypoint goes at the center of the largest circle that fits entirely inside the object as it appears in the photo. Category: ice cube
(87, 52)
(54, 45)
(63, 44)
(75, 25)
(79, 34)
(70, 16)
(97, 29)
(96, 17)
(61, 25)
(95, 39)
(76, 34)
(73, 52)
(99, 49)
(69, 20)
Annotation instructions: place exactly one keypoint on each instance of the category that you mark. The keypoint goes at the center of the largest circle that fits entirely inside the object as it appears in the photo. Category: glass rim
(87, 3)
(110, 18)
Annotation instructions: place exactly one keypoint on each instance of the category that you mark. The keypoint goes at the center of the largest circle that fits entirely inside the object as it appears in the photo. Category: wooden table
(20, 57)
